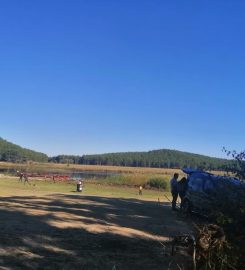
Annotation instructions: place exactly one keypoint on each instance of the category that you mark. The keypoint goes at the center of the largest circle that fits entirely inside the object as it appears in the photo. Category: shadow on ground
(85, 232)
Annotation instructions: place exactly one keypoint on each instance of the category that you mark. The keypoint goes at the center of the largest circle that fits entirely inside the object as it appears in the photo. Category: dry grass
(36, 166)
(119, 169)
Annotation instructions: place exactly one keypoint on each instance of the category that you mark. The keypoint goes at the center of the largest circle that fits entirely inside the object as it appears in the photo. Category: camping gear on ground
(79, 186)
(207, 192)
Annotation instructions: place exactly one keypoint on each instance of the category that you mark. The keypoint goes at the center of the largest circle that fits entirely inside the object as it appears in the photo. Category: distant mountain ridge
(163, 158)
(14, 153)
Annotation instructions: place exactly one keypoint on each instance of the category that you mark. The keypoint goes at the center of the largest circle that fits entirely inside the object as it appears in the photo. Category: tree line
(158, 159)
(163, 158)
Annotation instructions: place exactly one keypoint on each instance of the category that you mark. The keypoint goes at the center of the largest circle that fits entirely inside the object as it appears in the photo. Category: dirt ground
(86, 232)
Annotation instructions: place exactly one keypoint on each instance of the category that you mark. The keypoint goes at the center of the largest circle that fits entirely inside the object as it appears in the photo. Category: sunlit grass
(11, 187)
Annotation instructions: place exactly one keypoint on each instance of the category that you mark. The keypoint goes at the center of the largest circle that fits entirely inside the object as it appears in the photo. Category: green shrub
(147, 181)
(158, 182)
(117, 180)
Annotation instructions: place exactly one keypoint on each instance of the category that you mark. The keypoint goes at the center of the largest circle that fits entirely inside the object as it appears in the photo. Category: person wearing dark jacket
(182, 188)
(174, 190)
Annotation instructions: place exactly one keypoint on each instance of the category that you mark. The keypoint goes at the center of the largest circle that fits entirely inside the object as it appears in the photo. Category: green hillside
(14, 153)
(158, 158)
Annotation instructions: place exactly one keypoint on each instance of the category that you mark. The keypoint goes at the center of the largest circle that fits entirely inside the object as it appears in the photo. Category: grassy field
(10, 186)
(149, 178)
(126, 176)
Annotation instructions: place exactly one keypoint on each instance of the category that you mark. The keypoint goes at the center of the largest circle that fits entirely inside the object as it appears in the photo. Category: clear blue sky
(82, 77)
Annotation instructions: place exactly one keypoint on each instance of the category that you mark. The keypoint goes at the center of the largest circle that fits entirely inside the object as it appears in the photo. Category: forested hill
(158, 158)
(14, 153)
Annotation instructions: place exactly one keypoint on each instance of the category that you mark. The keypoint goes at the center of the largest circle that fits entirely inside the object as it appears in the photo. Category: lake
(72, 174)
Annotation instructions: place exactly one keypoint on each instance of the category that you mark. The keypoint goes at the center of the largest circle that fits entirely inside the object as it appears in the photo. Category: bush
(158, 182)
(147, 181)
(117, 180)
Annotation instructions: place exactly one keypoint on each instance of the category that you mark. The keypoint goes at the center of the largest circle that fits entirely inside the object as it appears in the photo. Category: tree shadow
(85, 232)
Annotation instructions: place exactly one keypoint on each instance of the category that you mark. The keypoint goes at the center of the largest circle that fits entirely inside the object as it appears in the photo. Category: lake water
(72, 174)
(92, 174)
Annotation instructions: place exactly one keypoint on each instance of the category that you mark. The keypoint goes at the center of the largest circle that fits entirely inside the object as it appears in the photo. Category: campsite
(50, 226)
(49, 223)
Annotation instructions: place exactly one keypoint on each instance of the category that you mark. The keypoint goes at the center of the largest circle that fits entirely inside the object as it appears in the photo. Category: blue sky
(81, 77)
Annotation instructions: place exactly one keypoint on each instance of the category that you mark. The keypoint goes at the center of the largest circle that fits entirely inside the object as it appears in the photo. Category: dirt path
(85, 232)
